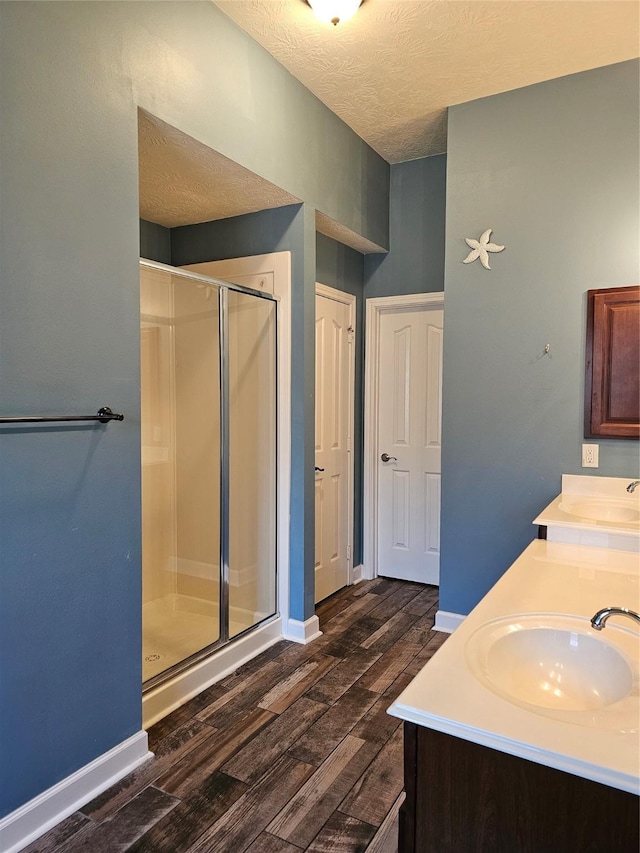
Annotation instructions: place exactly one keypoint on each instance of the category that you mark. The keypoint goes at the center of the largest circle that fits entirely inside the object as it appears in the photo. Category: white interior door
(409, 434)
(334, 395)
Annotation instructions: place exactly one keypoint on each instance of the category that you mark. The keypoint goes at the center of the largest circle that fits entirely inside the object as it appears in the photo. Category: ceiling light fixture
(335, 11)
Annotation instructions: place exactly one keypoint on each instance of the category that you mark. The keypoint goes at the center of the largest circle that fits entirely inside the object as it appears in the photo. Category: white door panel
(409, 431)
(332, 444)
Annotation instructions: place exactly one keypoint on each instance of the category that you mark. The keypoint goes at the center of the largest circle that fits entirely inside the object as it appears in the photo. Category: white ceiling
(392, 70)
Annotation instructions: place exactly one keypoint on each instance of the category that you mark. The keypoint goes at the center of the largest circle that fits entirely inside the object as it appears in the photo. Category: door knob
(386, 458)
(319, 469)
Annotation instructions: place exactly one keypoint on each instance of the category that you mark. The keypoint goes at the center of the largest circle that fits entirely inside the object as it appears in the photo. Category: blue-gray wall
(155, 242)
(281, 229)
(73, 78)
(250, 234)
(415, 263)
(337, 265)
(554, 170)
(342, 267)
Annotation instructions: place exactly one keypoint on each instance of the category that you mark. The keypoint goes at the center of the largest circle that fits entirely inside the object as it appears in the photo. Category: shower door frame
(223, 597)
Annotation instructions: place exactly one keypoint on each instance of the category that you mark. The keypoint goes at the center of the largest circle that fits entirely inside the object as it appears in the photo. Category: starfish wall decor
(481, 248)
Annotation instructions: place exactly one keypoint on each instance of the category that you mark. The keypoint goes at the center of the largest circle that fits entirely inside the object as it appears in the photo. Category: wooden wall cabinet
(612, 368)
(466, 798)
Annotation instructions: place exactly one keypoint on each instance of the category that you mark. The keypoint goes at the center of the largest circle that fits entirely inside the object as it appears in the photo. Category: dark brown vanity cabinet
(466, 798)
(612, 363)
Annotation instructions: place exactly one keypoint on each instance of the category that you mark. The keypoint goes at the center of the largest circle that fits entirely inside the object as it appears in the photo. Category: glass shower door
(180, 423)
(251, 376)
(208, 422)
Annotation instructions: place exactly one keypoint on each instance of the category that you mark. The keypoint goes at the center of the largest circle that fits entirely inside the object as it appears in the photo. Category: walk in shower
(208, 422)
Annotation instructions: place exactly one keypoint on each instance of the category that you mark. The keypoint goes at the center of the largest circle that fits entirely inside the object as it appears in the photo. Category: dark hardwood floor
(293, 751)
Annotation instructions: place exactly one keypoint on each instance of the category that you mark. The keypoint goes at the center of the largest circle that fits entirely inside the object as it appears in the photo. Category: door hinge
(349, 553)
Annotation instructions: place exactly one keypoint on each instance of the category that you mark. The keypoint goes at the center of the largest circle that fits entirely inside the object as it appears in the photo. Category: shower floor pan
(177, 626)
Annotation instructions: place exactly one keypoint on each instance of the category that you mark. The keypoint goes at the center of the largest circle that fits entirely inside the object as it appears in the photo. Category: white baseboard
(447, 622)
(367, 573)
(356, 574)
(39, 815)
(301, 632)
(166, 697)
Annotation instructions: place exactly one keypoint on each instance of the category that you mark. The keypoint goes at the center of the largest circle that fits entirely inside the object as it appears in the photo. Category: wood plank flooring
(293, 751)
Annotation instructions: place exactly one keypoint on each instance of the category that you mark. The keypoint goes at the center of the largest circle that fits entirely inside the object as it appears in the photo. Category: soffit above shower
(184, 182)
(391, 71)
(330, 228)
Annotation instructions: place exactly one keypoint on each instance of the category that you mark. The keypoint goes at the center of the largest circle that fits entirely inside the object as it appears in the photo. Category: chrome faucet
(600, 618)
(632, 486)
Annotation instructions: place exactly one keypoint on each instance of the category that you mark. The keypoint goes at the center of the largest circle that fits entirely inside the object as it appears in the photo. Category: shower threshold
(168, 694)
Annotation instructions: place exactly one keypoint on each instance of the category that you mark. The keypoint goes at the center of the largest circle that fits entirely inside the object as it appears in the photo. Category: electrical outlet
(590, 455)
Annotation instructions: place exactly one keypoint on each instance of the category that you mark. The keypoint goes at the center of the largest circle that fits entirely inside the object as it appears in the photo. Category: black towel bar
(104, 416)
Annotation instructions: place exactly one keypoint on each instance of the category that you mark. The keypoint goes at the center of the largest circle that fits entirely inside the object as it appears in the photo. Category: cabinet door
(466, 798)
(612, 386)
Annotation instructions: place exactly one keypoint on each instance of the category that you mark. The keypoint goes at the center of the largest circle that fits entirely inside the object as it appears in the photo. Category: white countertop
(549, 577)
(554, 515)
(575, 487)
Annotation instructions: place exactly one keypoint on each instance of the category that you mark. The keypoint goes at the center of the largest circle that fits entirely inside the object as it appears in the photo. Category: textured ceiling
(390, 74)
(183, 181)
(392, 70)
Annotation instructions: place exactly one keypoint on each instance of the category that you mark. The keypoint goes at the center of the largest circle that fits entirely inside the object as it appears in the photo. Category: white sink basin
(602, 509)
(558, 666)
